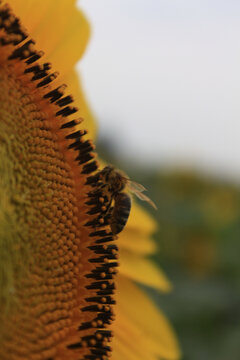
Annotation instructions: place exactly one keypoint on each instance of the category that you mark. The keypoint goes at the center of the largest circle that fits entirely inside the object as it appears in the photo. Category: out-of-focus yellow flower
(57, 269)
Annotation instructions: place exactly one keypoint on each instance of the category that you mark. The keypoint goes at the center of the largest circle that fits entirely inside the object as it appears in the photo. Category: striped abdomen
(120, 212)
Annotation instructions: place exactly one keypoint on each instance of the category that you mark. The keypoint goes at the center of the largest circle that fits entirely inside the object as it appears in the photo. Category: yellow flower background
(140, 330)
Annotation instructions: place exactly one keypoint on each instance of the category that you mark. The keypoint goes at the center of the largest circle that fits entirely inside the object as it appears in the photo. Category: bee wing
(144, 197)
(135, 187)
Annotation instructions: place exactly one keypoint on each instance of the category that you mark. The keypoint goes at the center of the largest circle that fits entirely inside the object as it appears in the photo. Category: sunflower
(60, 291)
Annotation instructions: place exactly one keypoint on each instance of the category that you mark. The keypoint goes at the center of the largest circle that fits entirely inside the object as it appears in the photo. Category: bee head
(114, 178)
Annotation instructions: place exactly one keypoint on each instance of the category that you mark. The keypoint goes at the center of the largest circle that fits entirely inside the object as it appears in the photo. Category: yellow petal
(74, 88)
(128, 336)
(141, 221)
(137, 243)
(58, 28)
(152, 333)
(63, 39)
(143, 270)
(139, 228)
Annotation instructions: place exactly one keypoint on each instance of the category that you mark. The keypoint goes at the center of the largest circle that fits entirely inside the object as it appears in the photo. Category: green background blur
(199, 247)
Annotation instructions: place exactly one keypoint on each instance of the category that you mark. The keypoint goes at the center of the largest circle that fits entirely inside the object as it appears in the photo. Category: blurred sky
(163, 78)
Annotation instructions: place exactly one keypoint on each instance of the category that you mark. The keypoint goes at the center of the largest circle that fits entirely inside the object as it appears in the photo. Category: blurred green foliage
(199, 249)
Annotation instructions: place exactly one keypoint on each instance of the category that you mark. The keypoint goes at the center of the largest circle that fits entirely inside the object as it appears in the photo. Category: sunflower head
(57, 259)
(58, 255)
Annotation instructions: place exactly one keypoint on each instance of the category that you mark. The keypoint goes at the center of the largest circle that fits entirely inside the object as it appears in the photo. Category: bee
(112, 183)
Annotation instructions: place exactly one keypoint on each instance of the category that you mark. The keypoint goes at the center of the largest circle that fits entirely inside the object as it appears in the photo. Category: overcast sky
(163, 78)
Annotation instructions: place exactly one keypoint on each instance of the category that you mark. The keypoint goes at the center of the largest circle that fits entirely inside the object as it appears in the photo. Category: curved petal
(151, 330)
(139, 228)
(84, 111)
(143, 270)
(138, 243)
(62, 38)
(128, 338)
(141, 221)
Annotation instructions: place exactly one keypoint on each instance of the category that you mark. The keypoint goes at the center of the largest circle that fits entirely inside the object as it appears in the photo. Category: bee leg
(108, 216)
